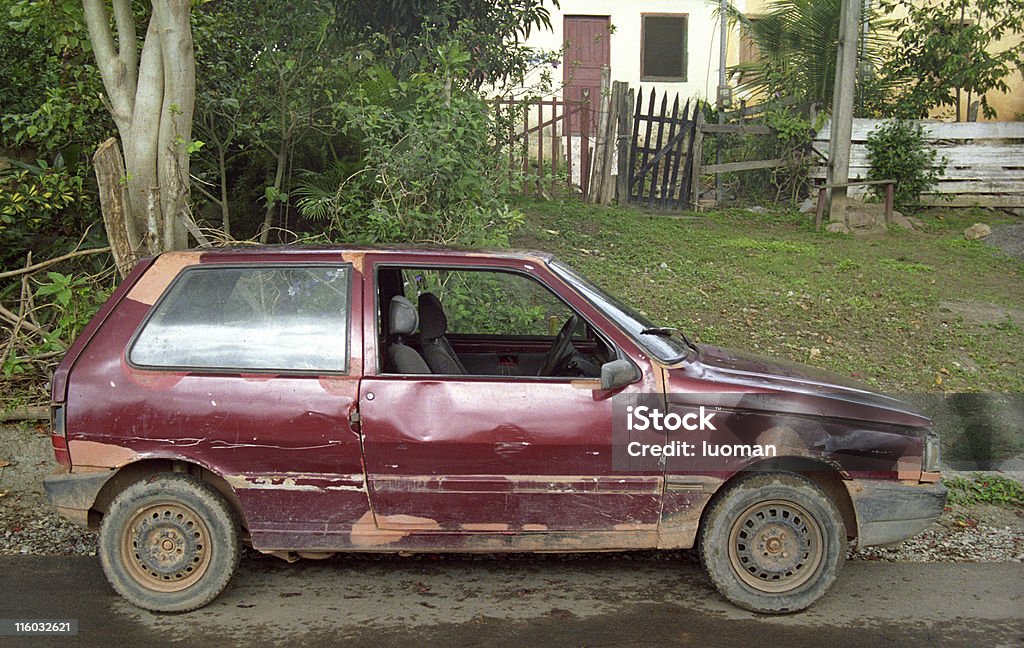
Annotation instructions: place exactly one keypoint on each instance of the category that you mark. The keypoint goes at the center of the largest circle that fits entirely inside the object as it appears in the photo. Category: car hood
(748, 381)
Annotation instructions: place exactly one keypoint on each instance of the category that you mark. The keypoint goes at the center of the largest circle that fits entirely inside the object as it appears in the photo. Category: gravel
(28, 525)
(1009, 239)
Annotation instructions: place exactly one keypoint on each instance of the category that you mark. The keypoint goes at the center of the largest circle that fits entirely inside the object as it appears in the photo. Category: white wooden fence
(984, 161)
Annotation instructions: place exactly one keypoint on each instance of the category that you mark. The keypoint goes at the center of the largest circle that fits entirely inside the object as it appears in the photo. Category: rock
(663, 266)
(837, 228)
(899, 220)
(808, 205)
(862, 216)
(757, 210)
(977, 231)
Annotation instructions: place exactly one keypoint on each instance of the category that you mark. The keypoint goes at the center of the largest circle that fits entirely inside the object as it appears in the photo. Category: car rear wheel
(169, 543)
(773, 542)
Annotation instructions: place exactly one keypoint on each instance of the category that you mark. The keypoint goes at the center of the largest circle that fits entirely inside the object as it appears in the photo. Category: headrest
(433, 322)
(403, 316)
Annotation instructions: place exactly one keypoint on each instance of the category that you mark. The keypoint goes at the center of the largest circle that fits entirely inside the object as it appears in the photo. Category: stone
(837, 228)
(977, 231)
(899, 220)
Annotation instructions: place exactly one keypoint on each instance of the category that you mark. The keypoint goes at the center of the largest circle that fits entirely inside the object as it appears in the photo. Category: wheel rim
(166, 547)
(775, 546)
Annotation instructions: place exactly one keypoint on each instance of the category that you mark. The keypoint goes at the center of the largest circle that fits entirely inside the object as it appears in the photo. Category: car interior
(481, 323)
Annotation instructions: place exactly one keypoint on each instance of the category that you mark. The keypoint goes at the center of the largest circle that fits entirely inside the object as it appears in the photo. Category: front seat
(437, 351)
(402, 321)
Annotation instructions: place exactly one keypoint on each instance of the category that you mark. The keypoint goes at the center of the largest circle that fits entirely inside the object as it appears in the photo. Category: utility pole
(724, 97)
(842, 108)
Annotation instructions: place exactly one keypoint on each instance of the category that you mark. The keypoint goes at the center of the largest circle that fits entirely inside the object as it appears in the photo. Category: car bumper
(889, 512)
(73, 494)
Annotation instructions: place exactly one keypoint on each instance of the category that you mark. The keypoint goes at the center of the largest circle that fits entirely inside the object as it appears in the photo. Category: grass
(985, 489)
(903, 311)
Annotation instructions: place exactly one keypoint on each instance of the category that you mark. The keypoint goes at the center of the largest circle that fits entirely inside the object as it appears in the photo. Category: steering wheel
(561, 349)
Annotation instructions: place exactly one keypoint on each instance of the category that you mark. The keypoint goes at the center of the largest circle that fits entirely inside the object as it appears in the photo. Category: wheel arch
(138, 470)
(827, 476)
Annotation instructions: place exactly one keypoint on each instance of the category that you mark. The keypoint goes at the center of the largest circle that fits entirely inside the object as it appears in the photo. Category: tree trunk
(151, 101)
(268, 218)
(124, 238)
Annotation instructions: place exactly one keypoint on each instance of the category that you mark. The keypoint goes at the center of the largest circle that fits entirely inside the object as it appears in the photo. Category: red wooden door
(587, 50)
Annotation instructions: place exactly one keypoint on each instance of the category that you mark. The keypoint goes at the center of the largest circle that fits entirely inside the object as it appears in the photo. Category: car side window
(290, 318)
(480, 302)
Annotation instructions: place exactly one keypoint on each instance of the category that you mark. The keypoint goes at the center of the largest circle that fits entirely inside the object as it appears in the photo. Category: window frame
(378, 361)
(685, 47)
(346, 370)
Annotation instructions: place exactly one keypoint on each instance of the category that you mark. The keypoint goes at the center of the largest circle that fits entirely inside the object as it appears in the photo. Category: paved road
(635, 600)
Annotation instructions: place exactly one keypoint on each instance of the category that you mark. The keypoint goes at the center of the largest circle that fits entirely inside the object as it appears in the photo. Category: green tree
(949, 54)
(405, 33)
(796, 43)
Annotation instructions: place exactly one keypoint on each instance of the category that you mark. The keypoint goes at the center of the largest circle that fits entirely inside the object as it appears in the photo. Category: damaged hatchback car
(311, 400)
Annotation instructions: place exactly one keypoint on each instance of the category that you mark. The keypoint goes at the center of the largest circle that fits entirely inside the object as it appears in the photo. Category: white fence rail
(984, 161)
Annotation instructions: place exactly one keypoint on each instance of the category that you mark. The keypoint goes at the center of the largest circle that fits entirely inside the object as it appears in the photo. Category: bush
(897, 150)
(426, 170)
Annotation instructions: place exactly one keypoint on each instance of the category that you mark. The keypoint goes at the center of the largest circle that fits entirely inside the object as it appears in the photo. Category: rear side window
(250, 318)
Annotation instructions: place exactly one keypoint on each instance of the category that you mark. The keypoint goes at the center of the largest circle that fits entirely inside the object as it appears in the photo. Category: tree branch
(46, 264)
(111, 67)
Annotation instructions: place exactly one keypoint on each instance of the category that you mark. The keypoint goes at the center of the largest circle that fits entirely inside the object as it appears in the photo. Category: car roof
(255, 251)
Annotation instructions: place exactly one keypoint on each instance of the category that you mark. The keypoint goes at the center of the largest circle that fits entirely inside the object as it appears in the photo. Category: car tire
(169, 543)
(773, 542)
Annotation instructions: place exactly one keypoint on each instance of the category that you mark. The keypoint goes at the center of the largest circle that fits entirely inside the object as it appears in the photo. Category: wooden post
(698, 156)
(842, 108)
(623, 141)
(125, 242)
(610, 142)
(890, 195)
(597, 170)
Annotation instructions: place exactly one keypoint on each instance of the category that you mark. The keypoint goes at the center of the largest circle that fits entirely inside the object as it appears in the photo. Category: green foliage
(951, 53)
(489, 302)
(426, 169)
(897, 150)
(36, 200)
(796, 42)
(986, 489)
(405, 34)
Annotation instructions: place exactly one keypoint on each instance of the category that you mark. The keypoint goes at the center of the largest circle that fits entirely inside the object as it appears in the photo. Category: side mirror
(618, 373)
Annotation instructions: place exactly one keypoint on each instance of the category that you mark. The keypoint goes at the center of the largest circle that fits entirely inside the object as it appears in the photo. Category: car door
(496, 452)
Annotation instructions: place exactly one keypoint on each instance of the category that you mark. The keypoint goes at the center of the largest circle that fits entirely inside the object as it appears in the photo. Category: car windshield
(666, 345)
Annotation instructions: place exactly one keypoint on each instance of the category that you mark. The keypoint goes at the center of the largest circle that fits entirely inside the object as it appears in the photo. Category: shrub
(897, 150)
(426, 169)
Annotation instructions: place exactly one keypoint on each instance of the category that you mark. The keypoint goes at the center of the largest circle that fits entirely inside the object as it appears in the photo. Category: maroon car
(310, 400)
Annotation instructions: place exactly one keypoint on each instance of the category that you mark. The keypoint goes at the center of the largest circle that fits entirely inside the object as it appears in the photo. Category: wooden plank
(624, 140)
(964, 155)
(635, 143)
(682, 157)
(980, 187)
(937, 129)
(654, 169)
(743, 129)
(671, 160)
(731, 167)
(974, 200)
(696, 154)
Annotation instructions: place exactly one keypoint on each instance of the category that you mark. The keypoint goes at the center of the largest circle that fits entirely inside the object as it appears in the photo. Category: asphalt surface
(536, 601)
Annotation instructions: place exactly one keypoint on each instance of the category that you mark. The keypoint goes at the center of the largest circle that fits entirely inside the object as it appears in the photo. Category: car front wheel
(169, 543)
(773, 542)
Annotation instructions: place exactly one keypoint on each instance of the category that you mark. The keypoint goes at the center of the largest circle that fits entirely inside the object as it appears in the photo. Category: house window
(663, 57)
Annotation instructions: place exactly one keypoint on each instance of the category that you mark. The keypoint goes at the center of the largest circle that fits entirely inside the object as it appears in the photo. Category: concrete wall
(702, 40)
